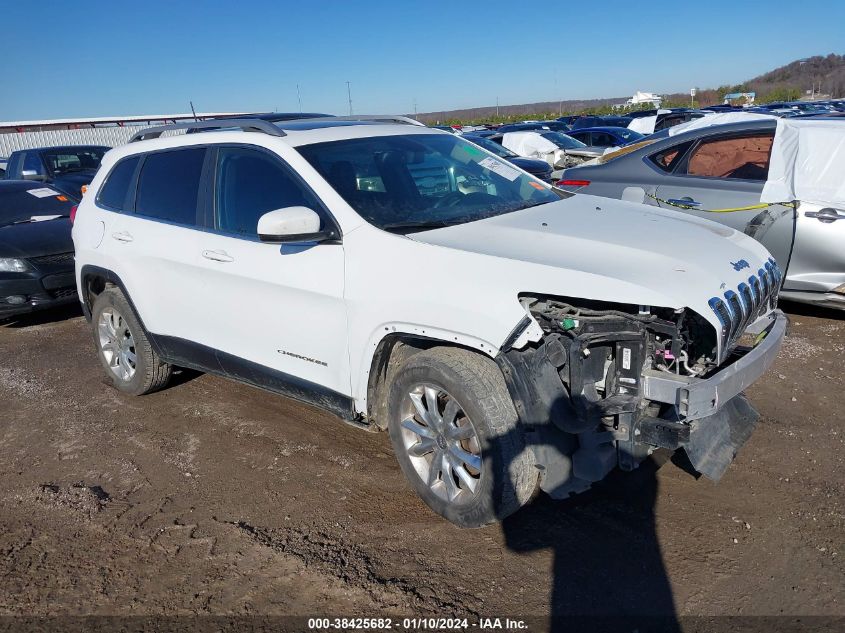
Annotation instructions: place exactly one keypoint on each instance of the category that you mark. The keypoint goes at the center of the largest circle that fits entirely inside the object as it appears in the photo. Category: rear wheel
(124, 350)
(456, 436)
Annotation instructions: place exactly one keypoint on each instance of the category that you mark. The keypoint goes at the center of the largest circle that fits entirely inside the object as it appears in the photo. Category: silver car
(720, 168)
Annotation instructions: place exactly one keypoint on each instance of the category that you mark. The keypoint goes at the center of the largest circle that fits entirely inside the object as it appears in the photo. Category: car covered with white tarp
(559, 150)
(778, 180)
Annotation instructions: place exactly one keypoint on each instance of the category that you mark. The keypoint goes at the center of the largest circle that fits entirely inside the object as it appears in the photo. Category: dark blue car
(607, 136)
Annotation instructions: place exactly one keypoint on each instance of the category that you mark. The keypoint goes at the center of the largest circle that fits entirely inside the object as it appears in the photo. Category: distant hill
(823, 74)
(521, 111)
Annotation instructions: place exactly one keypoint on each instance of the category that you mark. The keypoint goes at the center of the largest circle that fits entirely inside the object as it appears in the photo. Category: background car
(558, 149)
(605, 136)
(66, 168)
(725, 167)
(36, 250)
(533, 166)
(600, 121)
(522, 127)
(638, 114)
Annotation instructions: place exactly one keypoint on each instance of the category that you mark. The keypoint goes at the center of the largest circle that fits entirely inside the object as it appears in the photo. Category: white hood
(604, 249)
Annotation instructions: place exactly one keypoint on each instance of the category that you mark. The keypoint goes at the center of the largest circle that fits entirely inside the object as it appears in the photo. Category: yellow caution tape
(751, 207)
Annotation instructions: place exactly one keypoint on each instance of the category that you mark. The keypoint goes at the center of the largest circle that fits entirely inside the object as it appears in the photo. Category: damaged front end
(607, 384)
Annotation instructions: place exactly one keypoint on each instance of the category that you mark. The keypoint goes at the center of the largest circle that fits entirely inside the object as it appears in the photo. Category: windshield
(491, 146)
(418, 181)
(71, 159)
(562, 140)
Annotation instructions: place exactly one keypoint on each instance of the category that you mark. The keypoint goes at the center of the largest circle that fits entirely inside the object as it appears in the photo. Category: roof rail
(247, 125)
(382, 118)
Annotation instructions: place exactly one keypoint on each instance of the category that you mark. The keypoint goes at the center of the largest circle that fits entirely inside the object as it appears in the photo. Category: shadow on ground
(608, 572)
(40, 317)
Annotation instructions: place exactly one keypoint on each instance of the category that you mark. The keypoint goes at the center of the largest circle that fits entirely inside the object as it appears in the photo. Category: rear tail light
(573, 183)
(73, 213)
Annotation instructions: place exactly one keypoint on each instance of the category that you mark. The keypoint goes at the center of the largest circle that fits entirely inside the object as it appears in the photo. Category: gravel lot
(215, 498)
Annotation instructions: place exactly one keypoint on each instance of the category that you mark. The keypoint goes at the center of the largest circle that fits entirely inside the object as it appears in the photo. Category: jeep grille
(741, 307)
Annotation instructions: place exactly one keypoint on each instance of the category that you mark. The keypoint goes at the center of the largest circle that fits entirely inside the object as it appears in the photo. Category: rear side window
(602, 139)
(114, 192)
(744, 158)
(168, 187)
(249, 184)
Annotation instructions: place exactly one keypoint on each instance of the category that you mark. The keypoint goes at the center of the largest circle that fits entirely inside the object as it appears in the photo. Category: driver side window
(249, 183)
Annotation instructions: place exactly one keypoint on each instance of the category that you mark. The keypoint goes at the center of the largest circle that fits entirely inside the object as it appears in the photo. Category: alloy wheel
(117, 344)
(441, 443)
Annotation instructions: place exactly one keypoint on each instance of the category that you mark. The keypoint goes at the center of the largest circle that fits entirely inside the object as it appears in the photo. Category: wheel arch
(390, 350)
(94, 280)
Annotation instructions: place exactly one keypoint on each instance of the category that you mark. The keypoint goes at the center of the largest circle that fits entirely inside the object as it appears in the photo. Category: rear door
(278, 306)
(818, 258)
(155, 244)
(726, 172)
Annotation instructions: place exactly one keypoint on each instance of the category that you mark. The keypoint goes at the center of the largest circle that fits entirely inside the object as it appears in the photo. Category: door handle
(684, 202)
(122, 236)
(218, 256)
(826, 215)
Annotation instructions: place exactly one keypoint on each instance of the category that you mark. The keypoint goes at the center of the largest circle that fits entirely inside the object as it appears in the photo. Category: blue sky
(110, 58)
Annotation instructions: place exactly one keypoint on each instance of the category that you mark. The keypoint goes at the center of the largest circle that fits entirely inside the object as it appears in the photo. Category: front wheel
(456, 435)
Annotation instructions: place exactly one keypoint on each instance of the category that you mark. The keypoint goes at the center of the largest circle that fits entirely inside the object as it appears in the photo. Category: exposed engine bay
(585, 378)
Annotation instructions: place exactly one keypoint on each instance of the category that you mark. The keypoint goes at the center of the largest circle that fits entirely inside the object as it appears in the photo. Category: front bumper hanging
(715, 418)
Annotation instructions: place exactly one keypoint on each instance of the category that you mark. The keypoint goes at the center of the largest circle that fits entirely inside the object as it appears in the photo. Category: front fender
(414, 331)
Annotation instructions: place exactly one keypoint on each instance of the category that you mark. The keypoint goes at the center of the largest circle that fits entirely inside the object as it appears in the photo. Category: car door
(726, 172)
(818, 257)
(270, 306)
(154, 246)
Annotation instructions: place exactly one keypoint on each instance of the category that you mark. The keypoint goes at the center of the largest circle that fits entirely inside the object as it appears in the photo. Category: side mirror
(31, 174)
(293, 224)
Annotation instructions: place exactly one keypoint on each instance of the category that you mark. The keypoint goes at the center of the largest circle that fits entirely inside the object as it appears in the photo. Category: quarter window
(668, 158)
(114, 191)
(168, 187)
(249, 184)
(744, 158)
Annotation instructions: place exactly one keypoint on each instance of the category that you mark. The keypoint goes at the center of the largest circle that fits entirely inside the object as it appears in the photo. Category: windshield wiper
(52, 216)
(410, 227)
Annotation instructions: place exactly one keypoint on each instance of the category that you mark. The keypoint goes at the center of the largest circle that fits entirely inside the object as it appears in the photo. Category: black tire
(151, 373)
(508, 477)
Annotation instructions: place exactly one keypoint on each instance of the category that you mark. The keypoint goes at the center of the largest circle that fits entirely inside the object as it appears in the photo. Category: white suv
(505, 333)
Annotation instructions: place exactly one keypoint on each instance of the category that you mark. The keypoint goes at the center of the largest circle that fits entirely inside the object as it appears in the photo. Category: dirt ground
(212, 497)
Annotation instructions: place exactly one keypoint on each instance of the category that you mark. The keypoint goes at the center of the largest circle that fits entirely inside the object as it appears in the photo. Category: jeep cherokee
(506, 334)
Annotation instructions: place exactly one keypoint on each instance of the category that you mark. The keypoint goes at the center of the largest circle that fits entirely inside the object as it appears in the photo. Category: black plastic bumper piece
(715, 440)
